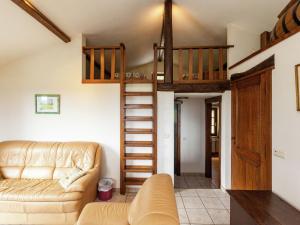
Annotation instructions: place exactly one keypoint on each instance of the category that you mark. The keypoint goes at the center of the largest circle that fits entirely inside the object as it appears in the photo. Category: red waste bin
(105, 189)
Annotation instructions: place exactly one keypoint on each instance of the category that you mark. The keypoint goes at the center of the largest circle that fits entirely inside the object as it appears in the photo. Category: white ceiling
(137, 23)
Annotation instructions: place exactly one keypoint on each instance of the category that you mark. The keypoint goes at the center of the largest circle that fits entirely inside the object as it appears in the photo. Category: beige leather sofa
(153, 205)
(29, 188)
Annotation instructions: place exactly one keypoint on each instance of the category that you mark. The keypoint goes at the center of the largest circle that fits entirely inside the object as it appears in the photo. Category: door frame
(177, 139)
(208, 143)
(264, 67)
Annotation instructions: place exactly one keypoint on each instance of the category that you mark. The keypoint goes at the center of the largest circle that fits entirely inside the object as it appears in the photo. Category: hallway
(193, 181)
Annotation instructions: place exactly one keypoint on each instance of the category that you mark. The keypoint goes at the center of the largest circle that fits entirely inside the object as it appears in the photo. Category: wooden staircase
(136, 165)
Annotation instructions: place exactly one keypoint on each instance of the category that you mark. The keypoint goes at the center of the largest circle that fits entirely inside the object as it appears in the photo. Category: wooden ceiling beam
(168, 42)
(40, 17)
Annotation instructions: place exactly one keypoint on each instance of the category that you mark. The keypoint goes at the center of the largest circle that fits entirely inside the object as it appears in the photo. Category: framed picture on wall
(47, 104)
(297, 68)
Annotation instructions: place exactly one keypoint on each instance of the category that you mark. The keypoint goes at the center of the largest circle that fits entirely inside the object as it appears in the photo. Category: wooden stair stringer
(137, 156)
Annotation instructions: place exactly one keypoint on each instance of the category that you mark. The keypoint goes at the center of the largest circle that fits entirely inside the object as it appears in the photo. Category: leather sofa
(30, 192)
(154, 204)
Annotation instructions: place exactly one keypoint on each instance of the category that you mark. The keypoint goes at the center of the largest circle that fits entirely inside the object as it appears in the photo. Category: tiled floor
(193, 181)
(195, 206)
(203, 206)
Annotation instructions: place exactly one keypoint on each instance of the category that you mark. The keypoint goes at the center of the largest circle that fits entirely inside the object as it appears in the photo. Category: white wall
(226, 141)
(285, 118)
(245, 42)
(165, 113)
(193, 135)
(88, 112)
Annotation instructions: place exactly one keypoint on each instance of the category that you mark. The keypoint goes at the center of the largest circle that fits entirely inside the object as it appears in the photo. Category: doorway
(189, 142)
(213, 139)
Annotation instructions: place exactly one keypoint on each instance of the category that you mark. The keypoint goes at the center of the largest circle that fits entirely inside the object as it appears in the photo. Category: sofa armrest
(82, 184)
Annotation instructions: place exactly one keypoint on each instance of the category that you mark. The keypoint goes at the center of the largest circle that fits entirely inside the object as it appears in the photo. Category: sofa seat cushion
(30, 190)
(104, 214)
(40, 207)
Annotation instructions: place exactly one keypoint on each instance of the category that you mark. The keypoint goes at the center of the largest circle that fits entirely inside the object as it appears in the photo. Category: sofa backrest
(45, 160)
(155, 203)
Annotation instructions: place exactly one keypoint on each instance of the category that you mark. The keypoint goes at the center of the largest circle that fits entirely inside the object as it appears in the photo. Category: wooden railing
(96, 71)
(204, 63)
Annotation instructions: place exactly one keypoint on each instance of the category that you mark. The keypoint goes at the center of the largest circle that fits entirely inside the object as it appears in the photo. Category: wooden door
(251, 131)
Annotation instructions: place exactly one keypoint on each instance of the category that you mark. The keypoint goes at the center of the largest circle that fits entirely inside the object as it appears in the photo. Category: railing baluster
(92, 64)
(191, 58)
(102, 64)
(211, 64)
(113, 64)
(200, 64)
(180, 62)
(221, 63)
(225, 72)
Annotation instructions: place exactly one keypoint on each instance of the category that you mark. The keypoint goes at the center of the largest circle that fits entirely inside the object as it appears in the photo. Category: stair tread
(138, 106)
(134, 180)
(138, 156)
(139, 143)
(139, 169)
(138, 93)
(138, 131)
(139, 118)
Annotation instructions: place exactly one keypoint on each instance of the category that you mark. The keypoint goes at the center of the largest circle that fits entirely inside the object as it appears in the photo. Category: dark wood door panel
(251, 132)
(250, 157)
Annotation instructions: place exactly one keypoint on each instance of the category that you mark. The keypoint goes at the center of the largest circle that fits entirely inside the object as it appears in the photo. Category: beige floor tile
(219, 216)
(212, 203)
(183, 216)
(198, 216)
(206, 192)
(220, 193)
(188, 193)
(192, 203)
(179, 203)
(226, 202)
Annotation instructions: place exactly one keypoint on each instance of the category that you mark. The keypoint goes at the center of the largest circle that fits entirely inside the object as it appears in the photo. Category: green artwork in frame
(47, 104)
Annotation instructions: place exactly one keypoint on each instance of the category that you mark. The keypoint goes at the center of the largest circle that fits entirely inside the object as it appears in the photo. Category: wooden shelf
(264, 49)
